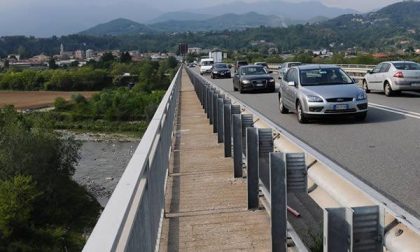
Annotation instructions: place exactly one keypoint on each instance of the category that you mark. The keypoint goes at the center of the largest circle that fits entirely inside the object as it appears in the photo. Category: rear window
(407, 66)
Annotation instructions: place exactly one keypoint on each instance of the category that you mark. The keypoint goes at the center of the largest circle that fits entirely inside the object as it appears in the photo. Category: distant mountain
(180, 16)
(223, 22)
(116, 27)
(294, 11)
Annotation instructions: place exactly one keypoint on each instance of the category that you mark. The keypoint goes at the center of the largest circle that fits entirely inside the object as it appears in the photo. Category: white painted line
(396, 110)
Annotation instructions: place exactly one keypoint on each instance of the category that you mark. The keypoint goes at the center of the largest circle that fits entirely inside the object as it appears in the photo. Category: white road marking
(396, 110)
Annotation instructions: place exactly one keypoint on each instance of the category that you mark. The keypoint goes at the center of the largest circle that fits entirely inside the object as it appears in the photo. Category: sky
(172, 5)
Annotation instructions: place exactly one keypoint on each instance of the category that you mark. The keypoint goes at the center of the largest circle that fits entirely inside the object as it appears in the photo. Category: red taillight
(399, 75)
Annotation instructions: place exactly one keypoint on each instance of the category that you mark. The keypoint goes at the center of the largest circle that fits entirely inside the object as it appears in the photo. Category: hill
(116, 27)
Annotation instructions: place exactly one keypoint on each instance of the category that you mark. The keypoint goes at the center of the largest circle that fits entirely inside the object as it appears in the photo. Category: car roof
(316, 66)
(249, 66)
(399, 61)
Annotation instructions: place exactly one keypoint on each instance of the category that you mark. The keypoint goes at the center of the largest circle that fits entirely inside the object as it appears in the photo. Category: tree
(125, 57)
(52, 64)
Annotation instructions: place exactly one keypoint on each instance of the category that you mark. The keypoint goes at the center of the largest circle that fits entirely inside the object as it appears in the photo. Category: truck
(216, 55)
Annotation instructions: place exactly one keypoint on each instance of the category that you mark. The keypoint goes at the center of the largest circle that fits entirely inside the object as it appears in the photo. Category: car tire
(282, 108)
(212, 76)
(388, 90)
(240, 89)
(365, 86)
(301, 116)
(361, 116)
(234, 88)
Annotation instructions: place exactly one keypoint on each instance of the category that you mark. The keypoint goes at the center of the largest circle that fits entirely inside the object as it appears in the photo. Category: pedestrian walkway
(206, 208)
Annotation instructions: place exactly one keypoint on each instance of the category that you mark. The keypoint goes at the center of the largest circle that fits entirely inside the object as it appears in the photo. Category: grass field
(35, 99)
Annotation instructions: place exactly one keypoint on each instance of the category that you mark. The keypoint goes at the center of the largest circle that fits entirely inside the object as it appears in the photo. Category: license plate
(260, 85)
(415, 84)
(222, 73)
(341, 107)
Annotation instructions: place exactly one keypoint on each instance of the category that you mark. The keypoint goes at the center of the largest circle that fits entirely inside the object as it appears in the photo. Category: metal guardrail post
(210, 105)
(206, 100)
(220, 121)
(353, 229)
(247, 121)
(252, 167)
(237, 145)
(278, 202)
(297, 180)
(214, 110)
(266, 145)
(231, 110)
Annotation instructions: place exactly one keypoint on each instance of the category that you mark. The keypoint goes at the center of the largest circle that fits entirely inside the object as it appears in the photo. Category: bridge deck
(206, 209)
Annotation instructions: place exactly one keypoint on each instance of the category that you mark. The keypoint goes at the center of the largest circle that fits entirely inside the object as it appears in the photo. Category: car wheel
(300, 114)
(361, 116)
(365, 86)
(240, 89)
(388, 90)
(212, 76)
(282, 108)
(234, 88)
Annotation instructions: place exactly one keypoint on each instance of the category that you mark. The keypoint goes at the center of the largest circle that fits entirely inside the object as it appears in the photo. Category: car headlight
(246, 82)
(271, 80)
(361, 96)
(313, 98)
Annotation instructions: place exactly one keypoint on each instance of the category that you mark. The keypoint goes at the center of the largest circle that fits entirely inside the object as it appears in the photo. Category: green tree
(125, 57)
(52, 64)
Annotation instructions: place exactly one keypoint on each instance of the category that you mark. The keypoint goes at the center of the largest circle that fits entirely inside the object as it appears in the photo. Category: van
(206, 65)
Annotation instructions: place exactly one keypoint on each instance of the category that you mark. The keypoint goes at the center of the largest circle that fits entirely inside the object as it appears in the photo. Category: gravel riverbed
(103, 161)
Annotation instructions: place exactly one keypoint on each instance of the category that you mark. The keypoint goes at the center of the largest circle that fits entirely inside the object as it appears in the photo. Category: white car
(206, 65)
(392, 77)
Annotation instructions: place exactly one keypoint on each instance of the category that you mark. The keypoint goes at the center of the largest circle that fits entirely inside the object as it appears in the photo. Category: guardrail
(356, 216)
(132, 219)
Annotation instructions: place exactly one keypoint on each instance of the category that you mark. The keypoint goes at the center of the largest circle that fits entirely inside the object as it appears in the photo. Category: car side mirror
(369, 71)
(270, 71)
(279, 77)
(355, 80)
(291, 83)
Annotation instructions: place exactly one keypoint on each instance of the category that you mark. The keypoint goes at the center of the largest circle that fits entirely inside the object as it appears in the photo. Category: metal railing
(356, 216)
(132, 218)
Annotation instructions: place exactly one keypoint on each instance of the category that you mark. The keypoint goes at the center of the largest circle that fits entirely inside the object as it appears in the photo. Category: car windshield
(295, 64)
(253, 71)
(324, 76)
(207, 63)
(242, 63)
(220, 66)
(407, 66)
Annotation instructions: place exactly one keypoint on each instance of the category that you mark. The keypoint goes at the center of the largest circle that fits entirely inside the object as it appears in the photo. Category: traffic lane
(383, 151)
(409, 101)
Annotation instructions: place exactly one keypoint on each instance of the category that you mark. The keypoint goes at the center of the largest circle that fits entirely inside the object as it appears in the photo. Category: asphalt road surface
(383, 151)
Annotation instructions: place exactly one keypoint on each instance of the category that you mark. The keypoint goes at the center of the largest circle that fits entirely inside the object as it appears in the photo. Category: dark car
(240, 63)
(253, 78)
(220, 70)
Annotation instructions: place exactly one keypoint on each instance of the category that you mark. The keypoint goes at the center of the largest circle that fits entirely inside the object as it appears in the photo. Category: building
(90, 54)
(79, 54)
(196, 50)
(64, 54)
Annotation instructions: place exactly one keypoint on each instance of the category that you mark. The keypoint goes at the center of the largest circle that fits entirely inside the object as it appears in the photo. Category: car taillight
(399, 75)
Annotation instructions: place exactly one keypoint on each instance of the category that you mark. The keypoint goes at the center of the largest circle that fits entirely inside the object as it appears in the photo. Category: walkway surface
(206, 208)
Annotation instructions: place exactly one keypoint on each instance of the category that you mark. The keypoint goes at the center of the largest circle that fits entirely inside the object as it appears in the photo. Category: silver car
(392, 77)
(319, 91)
(285, 66)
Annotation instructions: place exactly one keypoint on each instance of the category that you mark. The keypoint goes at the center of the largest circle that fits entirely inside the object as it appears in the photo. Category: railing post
(220, 118)
(265, 142)
(278, 202)
(247, 121)
(215, 110)
(237, 145)
(210, 106)
(252, 167)
(230, 110)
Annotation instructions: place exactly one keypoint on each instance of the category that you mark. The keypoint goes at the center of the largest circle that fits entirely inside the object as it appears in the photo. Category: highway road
(383, 151)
